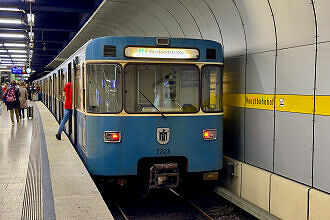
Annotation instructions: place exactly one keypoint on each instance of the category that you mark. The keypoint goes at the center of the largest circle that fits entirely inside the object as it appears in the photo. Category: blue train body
(139, 130)
(139, 141)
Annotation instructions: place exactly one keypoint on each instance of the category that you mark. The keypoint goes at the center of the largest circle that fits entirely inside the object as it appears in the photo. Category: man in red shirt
(67, 92)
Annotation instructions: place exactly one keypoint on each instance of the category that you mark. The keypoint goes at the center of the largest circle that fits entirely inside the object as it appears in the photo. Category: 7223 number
(163, 151)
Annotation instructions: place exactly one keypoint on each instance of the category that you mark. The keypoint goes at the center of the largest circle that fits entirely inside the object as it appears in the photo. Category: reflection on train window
(169, 88)
(211, 88)
(104, 89)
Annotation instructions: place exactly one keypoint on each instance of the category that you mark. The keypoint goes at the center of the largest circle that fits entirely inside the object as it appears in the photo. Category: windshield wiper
(152, 104)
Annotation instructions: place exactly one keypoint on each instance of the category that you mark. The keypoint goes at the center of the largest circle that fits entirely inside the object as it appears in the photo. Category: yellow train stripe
(283, 102)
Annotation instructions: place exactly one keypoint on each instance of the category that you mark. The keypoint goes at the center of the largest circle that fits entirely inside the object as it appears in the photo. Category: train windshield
(212, 88)
(166, 88)
(104, 88)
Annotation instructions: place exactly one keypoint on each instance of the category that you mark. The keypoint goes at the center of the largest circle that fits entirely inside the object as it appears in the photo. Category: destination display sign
(162, 53)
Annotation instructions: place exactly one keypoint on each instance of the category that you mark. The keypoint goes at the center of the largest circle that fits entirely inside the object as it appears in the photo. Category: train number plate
(162, 151)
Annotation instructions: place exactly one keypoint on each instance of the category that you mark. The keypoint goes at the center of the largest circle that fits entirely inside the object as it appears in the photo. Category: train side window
(77, 86)
(212, 88)
(104, 88)
(83, 87)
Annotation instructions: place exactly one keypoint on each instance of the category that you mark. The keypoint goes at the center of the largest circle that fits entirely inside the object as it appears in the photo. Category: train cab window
(161, 87)
(104, 88)
(212, 88)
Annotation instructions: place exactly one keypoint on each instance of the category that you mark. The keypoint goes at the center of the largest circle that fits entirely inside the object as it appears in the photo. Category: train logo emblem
(163, 135)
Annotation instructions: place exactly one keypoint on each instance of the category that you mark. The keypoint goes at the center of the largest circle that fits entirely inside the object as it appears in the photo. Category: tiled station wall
(282, 61)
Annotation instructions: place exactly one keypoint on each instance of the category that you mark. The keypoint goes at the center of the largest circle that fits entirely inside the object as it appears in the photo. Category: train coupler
(164, 175)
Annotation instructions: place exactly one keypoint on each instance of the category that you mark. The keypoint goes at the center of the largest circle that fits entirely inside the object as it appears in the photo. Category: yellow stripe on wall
(285, 103)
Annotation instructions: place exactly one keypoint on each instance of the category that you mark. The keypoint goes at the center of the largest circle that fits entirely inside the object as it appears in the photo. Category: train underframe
(160, 172)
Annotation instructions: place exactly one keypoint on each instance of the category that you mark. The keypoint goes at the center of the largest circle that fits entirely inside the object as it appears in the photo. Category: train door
(78, 96)
(48, 92)
(72, 116)
(47, 83)
(55, 95)
(62, 79)
(52, 94)
(46, 101)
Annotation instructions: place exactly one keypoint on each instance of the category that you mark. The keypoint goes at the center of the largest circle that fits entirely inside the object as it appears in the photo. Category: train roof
(94, 49)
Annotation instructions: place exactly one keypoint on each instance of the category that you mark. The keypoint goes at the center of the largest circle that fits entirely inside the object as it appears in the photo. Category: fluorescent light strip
(15, 59)
(18, 55)
(14, 45)
(3, 51)
(10, 21)
(10, 9)
(12, 35)
(4, 55)
(17, 51)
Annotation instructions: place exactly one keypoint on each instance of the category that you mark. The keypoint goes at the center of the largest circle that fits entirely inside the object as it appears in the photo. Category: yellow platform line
(284, 103)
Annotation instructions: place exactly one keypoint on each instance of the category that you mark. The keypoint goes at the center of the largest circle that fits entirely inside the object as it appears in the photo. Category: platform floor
(41, 177)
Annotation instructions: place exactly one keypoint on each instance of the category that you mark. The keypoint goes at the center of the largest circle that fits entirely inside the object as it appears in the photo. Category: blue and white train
(144, 107)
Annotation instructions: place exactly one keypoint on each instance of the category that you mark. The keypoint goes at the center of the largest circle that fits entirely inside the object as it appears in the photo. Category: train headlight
(209, 134)
(112, 137)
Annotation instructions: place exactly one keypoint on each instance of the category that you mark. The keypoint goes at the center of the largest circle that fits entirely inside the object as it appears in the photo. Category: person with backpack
(22, 99)
(12, 101)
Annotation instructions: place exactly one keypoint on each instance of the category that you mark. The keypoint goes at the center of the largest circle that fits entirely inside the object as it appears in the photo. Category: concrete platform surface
(41, 177)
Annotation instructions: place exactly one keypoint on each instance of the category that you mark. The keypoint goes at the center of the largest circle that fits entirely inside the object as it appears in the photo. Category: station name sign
(162, 53)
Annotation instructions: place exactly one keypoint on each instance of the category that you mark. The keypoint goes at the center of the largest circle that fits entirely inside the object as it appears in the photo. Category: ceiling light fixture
(12, 35)
(4, 55)
(10, 21)
(14, 45)
(31, 36)
(30, 18)
(3, 51)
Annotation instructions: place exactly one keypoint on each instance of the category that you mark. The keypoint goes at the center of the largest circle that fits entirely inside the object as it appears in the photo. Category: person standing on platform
(4, 88)
(67, 92)
(38, 92)
(28, 88)
(22, 99)
(12, 101)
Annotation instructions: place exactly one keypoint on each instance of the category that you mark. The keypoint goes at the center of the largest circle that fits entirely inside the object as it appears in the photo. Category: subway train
(145, 108)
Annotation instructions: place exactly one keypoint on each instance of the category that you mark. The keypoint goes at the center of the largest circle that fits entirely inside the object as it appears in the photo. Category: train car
(144, 107)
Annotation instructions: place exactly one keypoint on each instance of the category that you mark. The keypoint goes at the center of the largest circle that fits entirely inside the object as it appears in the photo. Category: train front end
(153, 109)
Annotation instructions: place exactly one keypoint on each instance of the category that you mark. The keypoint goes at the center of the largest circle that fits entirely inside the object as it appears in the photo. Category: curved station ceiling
(33, 32)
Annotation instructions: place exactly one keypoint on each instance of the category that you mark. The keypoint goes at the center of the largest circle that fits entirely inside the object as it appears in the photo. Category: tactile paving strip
(32, 203)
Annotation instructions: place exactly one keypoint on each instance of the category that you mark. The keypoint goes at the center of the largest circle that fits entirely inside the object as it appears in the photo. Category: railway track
(176, 206)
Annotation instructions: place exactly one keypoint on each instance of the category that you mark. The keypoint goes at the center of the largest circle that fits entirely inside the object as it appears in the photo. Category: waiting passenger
(12, 101)
(67, 92)
(22, 99)
(4, 88)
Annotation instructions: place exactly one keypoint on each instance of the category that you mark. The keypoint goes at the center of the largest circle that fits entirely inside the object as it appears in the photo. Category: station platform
(41, 177)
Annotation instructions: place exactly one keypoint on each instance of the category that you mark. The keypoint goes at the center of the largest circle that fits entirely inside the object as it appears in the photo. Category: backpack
(11, 97)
